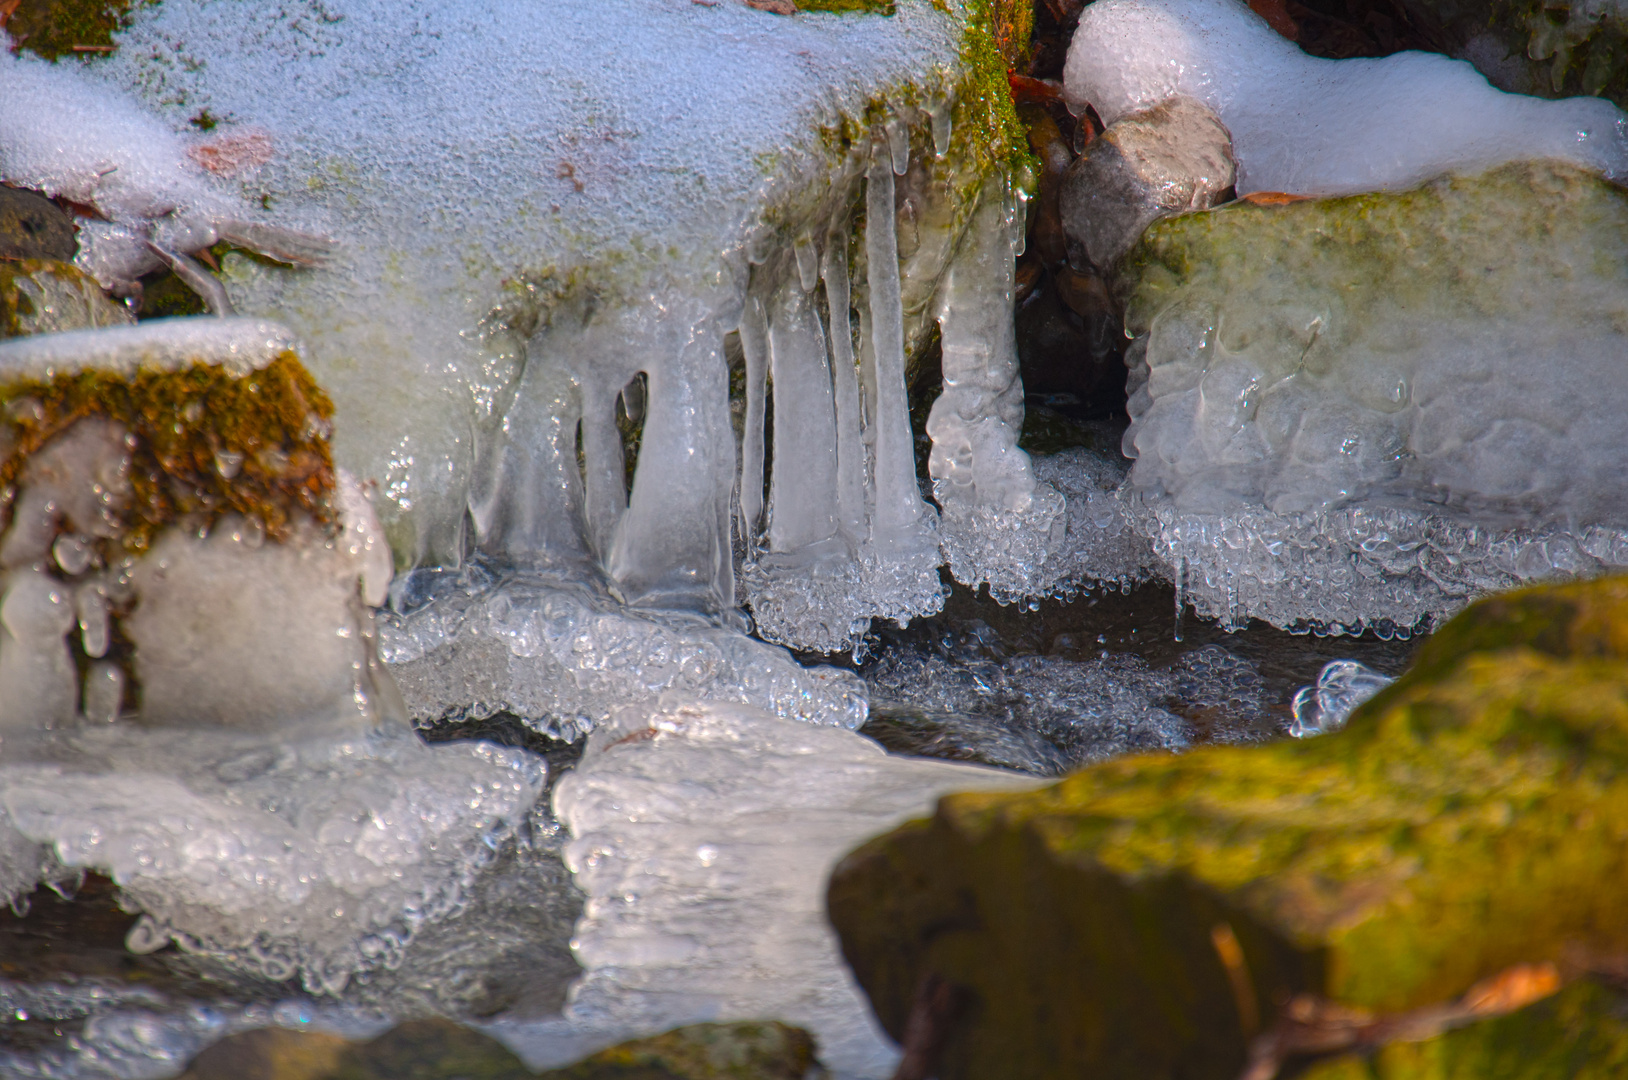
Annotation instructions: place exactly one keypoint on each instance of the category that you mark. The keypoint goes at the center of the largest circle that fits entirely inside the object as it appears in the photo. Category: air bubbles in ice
(1341, 686)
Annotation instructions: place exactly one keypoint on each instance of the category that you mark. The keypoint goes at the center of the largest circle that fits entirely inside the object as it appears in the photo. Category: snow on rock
(1324, 127)
(703, 836)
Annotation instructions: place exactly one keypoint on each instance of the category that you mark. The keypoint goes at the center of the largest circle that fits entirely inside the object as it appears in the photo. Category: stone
(33, 227)
(1172, 158)
(1145, 916)
(1380, 399)
(434, 1049)
(40, 296)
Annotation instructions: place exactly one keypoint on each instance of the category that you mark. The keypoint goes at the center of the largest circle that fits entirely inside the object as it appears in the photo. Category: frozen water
(563, 658)
(1341, 686)
(1311, 126)
(1364, 411)
(319, 857)
(527, 217)
(703, 836)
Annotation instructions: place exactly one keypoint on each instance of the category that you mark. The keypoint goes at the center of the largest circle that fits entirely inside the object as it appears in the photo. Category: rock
(1422, 384)
(1174, 157)
(1145, 916)
(47, 297)
(1579, 1034)
(269, 1054)
(443, 1050)
(33, 227)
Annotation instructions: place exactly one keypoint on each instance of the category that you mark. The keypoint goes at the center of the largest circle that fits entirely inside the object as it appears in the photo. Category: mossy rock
(1469, 818)
(55, 28)
(848, 7)
(443, 1050)
(1580, 1033)
(34, 227)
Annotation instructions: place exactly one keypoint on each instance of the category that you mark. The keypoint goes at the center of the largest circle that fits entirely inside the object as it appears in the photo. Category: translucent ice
(1311, 126)
(563, 658)
(1341, 686)
(703, 836)
(318, 857)
(1362, 411)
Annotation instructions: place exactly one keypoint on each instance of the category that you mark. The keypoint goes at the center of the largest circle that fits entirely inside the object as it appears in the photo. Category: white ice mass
(1310, 126)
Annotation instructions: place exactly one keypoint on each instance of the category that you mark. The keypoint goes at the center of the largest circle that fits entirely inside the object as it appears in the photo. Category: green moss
(268, 431)
(871, 7)
(53, 28)
(996, 41)
(166, 296)
(1466, 820)
(1580, 1033)
(740, 1051)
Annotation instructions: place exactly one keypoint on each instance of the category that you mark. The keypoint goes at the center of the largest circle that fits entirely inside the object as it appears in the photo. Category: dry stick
(1314, 1025)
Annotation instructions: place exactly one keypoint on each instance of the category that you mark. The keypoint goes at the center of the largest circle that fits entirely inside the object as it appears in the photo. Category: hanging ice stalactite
(999, 526)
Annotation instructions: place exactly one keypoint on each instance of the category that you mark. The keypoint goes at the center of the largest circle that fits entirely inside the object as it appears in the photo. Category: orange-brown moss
(207, 443)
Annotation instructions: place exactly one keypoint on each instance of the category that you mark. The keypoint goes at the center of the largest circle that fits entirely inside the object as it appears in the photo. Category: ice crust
(563, 658)
(703, 836)
(1365, 411)
(1321, 127)
(319, 857)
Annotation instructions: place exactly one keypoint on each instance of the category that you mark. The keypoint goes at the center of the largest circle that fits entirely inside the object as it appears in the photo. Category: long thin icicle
(845, 384)
(898, 500)
(803, 507)
(755, 346)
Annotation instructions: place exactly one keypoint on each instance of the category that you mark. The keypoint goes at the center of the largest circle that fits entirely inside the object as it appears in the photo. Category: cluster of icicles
(823, 492)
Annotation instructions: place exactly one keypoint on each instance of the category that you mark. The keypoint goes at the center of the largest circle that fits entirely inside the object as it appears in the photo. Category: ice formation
(317, 857)
(1326, 705)
(563, 657)
(1324, 127)
(703, 835)
(552, 263)
(85, 609)
(1363, 411)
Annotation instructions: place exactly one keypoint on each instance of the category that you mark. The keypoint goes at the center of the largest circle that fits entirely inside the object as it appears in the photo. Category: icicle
(898, 141)
(808, 263)
(940, 114)
(91, 603)
(845, 383)
(1181, 594)
(605, 469)
(803, 504)
(898, 500)
(754, 332)
(104, 692)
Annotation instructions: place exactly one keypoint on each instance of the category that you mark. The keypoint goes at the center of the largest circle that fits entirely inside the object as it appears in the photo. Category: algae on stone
(39, 296)
(1467, 820)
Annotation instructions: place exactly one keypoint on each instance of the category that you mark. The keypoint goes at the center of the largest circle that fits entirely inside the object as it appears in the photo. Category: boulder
(1172, 158)
(1147, 916)
(33, 227)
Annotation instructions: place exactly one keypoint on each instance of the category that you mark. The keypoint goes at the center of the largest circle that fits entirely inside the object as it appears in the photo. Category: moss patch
(1466, 820)
(54, 28)
(207, 443)
(870, 7)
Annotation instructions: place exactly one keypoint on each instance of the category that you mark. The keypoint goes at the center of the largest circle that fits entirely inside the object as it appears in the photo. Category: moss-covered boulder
(1580, 1033)
(1145, 917)
(443, 1050)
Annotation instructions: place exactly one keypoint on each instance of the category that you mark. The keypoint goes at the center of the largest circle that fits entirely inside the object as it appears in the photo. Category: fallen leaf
(1276, 14)
(1272, 198)
(227, 154)
(1026, 88)
(777, 7)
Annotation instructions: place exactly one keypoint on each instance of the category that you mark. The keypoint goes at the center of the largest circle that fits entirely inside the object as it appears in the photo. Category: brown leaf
(777, 7)
(1272, 198)
(8, 8)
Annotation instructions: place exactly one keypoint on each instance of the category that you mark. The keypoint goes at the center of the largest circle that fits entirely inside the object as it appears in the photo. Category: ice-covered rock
(1324, 127)
(1168, 159)
(532, 217)
(1362, 411)
(45, 297)
(703, 835)
(176, 545)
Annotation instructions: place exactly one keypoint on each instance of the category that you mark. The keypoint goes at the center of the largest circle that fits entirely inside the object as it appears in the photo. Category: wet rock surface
(1170, 159)
(442, 1050)
(34, 227)
(1086, 927)
(39, 296)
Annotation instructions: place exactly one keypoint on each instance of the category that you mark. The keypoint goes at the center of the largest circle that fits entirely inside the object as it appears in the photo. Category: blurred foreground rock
(1149, 917)
(442, 1050)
